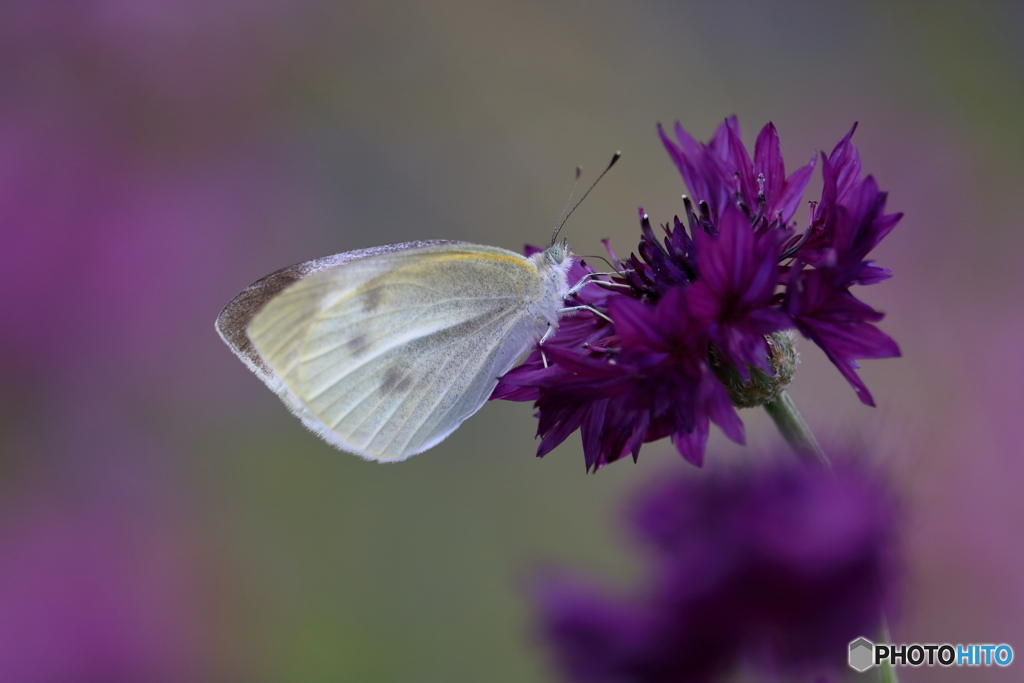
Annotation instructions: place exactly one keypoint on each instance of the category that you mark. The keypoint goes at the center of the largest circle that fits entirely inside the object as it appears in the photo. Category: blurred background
(164, 518)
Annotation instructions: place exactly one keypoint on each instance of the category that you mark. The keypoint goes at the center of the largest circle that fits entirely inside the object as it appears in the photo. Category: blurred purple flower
(691, 305)
(136, 149)
(135, 152)
(94, 595)
(775, 568)
(117, 261)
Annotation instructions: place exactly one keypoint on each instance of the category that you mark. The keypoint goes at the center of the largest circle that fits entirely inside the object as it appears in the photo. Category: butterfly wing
(385, 352)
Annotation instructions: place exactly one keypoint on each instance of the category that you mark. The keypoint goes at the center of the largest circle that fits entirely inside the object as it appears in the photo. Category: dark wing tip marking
(233, 321)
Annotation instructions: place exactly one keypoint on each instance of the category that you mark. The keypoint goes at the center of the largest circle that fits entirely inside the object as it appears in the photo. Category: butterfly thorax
(553, 266)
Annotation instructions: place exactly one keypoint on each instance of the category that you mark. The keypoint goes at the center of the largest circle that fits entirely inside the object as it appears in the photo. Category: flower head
(700, 303)
(772, 568)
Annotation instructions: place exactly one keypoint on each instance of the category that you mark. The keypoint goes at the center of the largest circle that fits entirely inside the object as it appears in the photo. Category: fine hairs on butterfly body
(384, 352)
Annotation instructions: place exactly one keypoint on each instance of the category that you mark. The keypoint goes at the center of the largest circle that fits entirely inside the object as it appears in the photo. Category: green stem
(887, 672)
(798, 435)
(794, 430)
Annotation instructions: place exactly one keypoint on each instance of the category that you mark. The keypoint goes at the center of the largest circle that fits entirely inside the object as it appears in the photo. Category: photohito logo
(864, 654)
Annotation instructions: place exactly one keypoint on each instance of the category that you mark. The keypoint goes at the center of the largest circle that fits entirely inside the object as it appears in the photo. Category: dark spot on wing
(357, 344)
(372, 299)
(396, 378)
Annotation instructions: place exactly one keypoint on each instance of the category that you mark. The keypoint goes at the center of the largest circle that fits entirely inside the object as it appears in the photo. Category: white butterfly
(384, 352)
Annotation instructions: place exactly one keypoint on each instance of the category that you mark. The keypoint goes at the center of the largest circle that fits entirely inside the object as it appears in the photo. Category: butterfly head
(557, 253)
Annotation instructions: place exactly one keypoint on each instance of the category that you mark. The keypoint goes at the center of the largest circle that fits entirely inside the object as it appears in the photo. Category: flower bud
(762, 387)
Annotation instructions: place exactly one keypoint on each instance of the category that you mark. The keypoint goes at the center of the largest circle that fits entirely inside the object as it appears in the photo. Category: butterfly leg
(585, 280)
(547, 335)
(571, 309)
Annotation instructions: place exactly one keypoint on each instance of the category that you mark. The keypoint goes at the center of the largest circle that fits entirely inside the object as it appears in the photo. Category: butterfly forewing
(386, 355)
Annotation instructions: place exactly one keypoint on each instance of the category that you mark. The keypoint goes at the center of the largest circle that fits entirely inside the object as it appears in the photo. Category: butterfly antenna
(607, 168)
(579, 172)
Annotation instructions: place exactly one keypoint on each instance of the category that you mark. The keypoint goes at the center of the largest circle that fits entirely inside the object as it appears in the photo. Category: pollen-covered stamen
(691, 217)
(660, 262)
(762, 202)
(796, 242)
(706, 221)
(745, 209)
(658, 255)
(641, 279)
(648, 231)
(684, 249)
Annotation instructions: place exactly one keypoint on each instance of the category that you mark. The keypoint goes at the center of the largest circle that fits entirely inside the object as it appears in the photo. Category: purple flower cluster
(706, 295)
(776, 569)
(136, 149)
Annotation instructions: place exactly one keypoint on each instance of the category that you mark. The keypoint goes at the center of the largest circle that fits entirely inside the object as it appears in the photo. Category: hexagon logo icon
(862, 654)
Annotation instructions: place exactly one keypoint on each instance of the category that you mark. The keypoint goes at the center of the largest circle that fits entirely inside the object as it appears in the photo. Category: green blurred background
(163, 517)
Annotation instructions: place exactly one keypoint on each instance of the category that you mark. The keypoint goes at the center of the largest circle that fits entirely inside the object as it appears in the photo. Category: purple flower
(848, 223)
(735, 296)
(99, 579)
(656, 386)
(774, 568)
(839, 323)
(721, 172)
(698, 305)
(115, 207)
